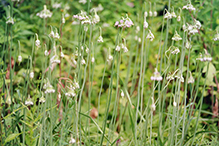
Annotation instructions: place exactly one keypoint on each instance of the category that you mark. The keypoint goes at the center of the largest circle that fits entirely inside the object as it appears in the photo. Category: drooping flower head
(44, 13)
(124, 22)
(156, 76)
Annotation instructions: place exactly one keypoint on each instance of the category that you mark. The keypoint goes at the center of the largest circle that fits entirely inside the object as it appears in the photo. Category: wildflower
(67, 15)
(10, 20)
(137, 29)
(96, 18)
(44, 13)
(52, 34)
(124, 22)
(76, 85)
(42, 99)
(100, 39)
(63, 19)
(74, 61)
(207, 56)
(87, 50)
(56, 36)
(189, 6)
(98, 8)
(110, 58)
(71, 91)
(170, 77)
(62, 55)
(19, 58)
(180, 77)
(28, 101)
(216, 37)
(167, 15)
(145, 24)
(145, 14)
(55, 59)
(57, 5)
(197, 24)
(150, 13)
(155, 13)
(200, 58)
(92, 59)
(8, 99)
(173, 14)
(122, 93)
(174, 104)
(31, 75)
(193, 31)
(191, 79)
(150, 36)
(176, 51)
(188, 45)
(83, 1)
(157, 76)
(83, 61)
(37, 42)
(46, 53)
(59, 96)
(118, 48)
(81, 16)
(179, 18)
(176, 37)
(72, 140)
(124, 48)
(153, 107)
(48, 87)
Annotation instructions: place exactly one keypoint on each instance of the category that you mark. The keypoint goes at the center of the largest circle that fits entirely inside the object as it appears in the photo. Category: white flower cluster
(124, 22)
(156, 76)
(118, 48)
(44, 13)
(82, 1)
(150, 36)
(205, 57)
(176, 37)
(71, 89)
(173, 76)
(98, 8)
(57, 5)
(87, 19)
(190, 79)
(173, 50)
(189, 6)
(150, 13)
(10, 20)
(55, 59)
(169, 15)
(28, 101)
(191, 29)
(216, 37)
(48, 87)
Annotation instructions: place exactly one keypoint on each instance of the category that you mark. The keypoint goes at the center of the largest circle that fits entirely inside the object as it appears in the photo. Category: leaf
(210, 74)
(11, 137)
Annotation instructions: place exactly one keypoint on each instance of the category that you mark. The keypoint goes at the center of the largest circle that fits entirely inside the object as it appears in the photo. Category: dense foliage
(109, 72)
